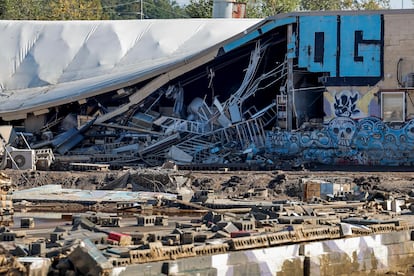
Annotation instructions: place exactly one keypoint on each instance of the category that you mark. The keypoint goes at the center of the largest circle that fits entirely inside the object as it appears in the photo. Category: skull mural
(342, 131)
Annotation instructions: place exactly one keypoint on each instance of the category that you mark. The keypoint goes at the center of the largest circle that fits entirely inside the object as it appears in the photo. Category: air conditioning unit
(23, 159)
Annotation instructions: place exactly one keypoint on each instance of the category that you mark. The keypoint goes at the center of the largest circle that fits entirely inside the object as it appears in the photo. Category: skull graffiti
(342, 131)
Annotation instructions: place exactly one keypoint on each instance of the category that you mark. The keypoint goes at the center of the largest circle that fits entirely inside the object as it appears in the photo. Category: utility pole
(289, 86)
(142, 9)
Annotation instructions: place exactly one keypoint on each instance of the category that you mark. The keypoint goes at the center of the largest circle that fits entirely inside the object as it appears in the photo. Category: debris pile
(167, 124)
(6, 202)
(98, 243)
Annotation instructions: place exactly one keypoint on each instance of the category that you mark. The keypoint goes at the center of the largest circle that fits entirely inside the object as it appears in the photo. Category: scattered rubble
(325, 207)
(6, 202)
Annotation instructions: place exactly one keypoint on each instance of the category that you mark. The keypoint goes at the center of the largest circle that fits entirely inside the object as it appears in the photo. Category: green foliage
(50, 9)
(22, 9)
(121, 9)
(163, 9)
(200, 8)
(130, 9)
(316, 5)
(75, 10)
(264, 8)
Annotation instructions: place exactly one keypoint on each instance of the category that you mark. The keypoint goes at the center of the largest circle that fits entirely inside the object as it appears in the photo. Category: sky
(398, 4)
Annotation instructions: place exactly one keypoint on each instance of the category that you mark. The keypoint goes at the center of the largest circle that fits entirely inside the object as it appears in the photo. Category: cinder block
(187, 238)
(7, 236)
(27, 223)
(395, 237)
(37, 248)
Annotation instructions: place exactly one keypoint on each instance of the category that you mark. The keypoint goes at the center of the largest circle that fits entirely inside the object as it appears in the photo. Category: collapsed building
(294, 89)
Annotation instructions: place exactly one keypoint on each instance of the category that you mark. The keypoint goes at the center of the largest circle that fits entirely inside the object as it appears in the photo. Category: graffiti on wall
(351, 102)
(345, 104)
(368, 141)
(349, 47)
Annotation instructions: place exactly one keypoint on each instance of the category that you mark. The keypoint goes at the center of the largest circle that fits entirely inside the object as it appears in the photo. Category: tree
(50, 9)
(22, 9)
(344, 4)
(254, 8)
(75, 10)
(158, 9)
(264, 8)
(200, 8)
(121, 9)
(127, 9)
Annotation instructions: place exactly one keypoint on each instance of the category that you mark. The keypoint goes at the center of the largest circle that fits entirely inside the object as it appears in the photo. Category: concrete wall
(368, 255)
(398, 43)
(394, 51)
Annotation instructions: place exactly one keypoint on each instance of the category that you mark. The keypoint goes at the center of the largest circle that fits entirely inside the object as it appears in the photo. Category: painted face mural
(315, 139)
(408, 135)
(368, 140)
(363, 137)
(342, 131)
(409, 131)
(345, 104)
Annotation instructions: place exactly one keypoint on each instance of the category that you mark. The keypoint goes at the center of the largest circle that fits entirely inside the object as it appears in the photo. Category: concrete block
(88, 260)
(161, 220)
(187, 238)
(56, 236)
(200, 237)
(36, 266)
(396, 249)
(404, 260)
(229, 227)
(245, 225)
(221, 234)
(146, 220)
(396, 205)
(190, 266)
(37, 248)
(7, 236)
(122, 239)
(20, 251)
(395, 237)
(109, 221)
(239, 234)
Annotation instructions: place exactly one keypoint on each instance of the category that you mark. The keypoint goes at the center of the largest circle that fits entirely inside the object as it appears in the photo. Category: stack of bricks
(6, 202)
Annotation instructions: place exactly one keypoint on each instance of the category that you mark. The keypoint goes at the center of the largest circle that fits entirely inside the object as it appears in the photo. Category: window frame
(403, 107)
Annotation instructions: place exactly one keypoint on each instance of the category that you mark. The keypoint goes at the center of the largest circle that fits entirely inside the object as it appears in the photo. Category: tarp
(46, 63)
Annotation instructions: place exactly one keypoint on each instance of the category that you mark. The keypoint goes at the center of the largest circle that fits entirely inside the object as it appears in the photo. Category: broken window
(393, 106)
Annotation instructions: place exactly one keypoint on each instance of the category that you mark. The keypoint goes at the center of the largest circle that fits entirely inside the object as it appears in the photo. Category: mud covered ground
(280, 184)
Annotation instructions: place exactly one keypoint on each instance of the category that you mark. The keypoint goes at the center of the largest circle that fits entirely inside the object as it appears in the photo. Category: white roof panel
(43, 62)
